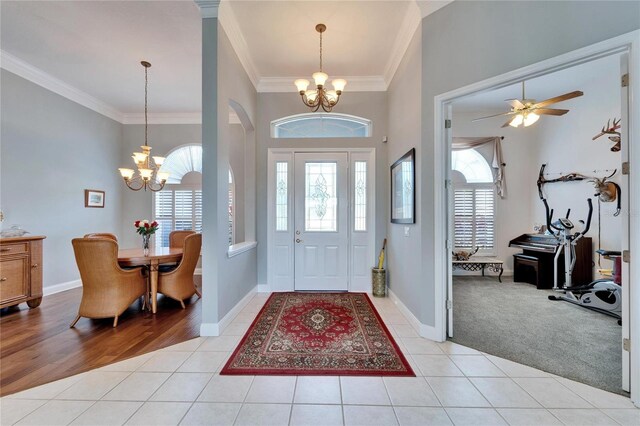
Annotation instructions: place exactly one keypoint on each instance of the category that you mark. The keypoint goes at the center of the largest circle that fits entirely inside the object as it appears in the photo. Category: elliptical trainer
(604, 296)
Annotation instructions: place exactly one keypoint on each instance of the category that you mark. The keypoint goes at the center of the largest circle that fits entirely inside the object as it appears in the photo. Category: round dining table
(151, 259)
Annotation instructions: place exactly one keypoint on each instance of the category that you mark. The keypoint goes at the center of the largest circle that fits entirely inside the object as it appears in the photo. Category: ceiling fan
(527, 111)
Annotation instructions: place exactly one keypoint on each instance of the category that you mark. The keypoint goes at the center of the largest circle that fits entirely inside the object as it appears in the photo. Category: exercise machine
(604, 296)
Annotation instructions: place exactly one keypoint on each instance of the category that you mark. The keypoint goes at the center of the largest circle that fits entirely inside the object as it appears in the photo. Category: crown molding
(354, 84)
(208, 8)
(47, 81)
(39, 77)
(229, 22)
(427, 7)
(163, 118)
(408, 28)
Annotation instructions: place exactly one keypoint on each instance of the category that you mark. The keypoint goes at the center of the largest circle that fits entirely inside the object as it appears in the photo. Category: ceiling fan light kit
(320, 97)
(527, 111)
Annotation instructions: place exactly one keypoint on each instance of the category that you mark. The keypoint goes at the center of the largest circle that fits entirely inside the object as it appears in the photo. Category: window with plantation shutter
(473, 203)
(179, 205)
(231, 209)
(474, 212)
(176, 210)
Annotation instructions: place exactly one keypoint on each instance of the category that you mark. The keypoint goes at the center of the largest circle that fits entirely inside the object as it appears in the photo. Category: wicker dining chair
(102, 235)
(107, 289)
(178, 283)
(176, 238)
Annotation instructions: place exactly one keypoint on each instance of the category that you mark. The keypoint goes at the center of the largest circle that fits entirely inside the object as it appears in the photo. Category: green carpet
(517, 322)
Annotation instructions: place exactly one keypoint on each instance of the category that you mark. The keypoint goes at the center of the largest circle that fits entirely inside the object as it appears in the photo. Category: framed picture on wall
(93, 198)
(403, 189)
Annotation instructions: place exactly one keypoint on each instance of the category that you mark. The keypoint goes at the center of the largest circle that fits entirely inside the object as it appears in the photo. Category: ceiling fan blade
(560, 98)
(494, 115)
(550, 111)
(515, 103)
(506, 124)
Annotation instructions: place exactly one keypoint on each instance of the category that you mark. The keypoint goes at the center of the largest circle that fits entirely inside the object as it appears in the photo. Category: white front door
(321, 221)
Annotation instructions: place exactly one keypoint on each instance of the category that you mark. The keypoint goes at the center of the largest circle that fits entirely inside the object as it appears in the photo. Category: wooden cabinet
(21, 271)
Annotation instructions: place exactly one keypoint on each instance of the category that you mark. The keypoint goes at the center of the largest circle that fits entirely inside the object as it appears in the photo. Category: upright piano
(541, 249)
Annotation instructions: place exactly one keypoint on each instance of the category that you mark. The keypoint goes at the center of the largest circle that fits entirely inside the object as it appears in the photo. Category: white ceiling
(282, 39)
(541, 88)
(92, 49)
(96, 47)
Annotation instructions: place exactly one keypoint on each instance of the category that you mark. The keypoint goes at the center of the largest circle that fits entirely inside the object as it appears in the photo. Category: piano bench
(526, 269)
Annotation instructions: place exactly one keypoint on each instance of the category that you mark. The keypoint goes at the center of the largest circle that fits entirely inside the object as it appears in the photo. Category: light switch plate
(406, 231)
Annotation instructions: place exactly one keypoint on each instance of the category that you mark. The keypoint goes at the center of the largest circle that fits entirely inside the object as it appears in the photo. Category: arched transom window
(183, 160)
(179, 205)
(473, 166)
(321, 125)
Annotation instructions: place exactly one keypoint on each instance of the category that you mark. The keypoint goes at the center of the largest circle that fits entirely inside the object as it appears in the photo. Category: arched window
(179, 205)
(321, 125)
(473, 202)
(473, 166)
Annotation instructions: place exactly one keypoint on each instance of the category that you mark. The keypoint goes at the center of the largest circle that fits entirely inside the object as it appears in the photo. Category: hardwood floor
(37, 346)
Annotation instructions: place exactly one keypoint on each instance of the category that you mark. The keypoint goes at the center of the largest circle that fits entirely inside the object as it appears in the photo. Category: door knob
(298, 240)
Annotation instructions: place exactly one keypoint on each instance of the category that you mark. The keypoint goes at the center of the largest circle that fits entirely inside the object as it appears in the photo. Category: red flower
(146, 225)
(137, 224)
(154, 224)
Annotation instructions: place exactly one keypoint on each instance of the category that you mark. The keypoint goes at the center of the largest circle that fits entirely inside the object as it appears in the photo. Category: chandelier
(148, 174)
(320, 96)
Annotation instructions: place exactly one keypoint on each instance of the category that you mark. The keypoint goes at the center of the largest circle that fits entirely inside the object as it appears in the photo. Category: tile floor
(181, 385)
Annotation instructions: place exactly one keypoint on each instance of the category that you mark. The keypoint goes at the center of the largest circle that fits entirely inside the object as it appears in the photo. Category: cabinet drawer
(14, 279)
(16, 248)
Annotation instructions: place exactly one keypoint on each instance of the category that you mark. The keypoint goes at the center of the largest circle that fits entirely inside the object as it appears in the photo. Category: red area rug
(338, 334)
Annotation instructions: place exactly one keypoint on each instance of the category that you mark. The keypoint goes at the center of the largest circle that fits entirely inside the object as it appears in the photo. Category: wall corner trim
(423, 330)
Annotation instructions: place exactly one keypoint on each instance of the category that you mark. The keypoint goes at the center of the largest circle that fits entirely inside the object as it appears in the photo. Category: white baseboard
(53, 289)
(423, 330)
(216, 329)
(263, 288)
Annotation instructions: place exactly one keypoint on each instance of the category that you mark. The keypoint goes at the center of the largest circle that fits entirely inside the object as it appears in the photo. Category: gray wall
(53, 149)
(163, 138)
(466, 42)
(370, 105)
(227, 280)
(404, 134)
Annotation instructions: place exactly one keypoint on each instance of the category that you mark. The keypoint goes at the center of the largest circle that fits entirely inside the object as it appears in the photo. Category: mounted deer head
(611, 130)
(607, 191)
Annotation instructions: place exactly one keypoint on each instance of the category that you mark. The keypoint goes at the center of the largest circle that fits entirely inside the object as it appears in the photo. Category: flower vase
(145, 243)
